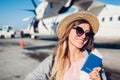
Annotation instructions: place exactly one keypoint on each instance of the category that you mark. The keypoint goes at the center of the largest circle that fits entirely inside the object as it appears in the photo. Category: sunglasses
(80, 32)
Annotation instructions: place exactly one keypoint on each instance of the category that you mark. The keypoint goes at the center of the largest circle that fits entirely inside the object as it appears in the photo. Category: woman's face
(76, 38)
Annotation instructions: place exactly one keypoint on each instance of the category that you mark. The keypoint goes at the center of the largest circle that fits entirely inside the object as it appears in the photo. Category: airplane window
(111, 18)
(51, 5)
(119, 18)
(103, 19)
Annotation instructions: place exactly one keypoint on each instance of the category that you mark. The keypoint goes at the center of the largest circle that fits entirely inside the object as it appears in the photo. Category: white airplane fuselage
(109, 30)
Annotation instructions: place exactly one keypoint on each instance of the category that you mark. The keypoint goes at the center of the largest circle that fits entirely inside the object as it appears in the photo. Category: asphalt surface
(16, 61)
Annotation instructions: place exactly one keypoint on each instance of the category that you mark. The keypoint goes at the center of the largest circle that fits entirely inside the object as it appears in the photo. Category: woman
(75, 33)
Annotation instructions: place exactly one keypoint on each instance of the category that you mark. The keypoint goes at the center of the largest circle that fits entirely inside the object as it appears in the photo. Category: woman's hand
(94, 75)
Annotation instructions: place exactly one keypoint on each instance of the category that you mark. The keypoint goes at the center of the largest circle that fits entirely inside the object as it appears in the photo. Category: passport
(93, 60)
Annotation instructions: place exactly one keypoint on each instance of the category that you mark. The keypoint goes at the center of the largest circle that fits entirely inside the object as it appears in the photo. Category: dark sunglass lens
(79, 31)
(89, 34)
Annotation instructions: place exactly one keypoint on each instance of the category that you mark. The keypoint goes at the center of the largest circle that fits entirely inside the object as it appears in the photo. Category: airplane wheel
(12, 36)
(33, 37)
(2, 37)
(22, 34)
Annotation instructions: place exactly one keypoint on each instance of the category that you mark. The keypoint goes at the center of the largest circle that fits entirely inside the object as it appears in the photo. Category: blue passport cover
(91, 62)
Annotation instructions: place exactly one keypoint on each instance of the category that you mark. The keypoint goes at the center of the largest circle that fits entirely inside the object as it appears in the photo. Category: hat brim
(91, 18)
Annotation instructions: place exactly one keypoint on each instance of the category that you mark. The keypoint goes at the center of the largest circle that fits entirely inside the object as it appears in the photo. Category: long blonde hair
(61, 53)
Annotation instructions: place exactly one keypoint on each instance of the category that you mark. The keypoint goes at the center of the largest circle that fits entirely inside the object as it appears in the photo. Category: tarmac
(17, 61)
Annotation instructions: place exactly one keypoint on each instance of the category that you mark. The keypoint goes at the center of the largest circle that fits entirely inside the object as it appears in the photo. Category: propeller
(34, 20)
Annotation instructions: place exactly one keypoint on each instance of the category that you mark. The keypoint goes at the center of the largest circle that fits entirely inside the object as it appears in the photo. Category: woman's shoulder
(42, 71)
(49, 59)
(46, 64)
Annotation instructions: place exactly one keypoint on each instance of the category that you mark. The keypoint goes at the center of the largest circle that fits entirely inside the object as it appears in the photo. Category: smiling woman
(76, 37)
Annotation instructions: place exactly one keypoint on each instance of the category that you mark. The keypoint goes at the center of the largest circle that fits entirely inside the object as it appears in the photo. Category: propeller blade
(27, 18)
(30, 10)
(34, 4)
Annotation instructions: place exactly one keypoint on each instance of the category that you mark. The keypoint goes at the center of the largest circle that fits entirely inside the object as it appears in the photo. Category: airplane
(50, 12)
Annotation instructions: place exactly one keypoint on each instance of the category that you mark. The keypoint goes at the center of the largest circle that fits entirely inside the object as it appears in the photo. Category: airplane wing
(90, 5)
(83, 4)
(96, 7)
(48, 8)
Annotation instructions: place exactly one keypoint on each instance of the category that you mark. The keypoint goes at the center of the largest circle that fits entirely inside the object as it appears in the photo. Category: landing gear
(2, 37)
(33, 37)
(22, 34)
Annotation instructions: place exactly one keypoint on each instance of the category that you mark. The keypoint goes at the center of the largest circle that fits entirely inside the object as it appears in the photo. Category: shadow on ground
(48, 39)
(40, 56)
(108, 46)
(40, 47)
(9, 44)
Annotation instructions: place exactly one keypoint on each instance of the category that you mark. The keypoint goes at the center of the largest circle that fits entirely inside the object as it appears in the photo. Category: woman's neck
(74, 53)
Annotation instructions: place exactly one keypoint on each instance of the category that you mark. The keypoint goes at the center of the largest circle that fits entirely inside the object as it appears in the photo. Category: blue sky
(12, 12)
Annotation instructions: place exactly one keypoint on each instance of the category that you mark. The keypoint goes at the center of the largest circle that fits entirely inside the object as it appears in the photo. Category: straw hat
(91, 18)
